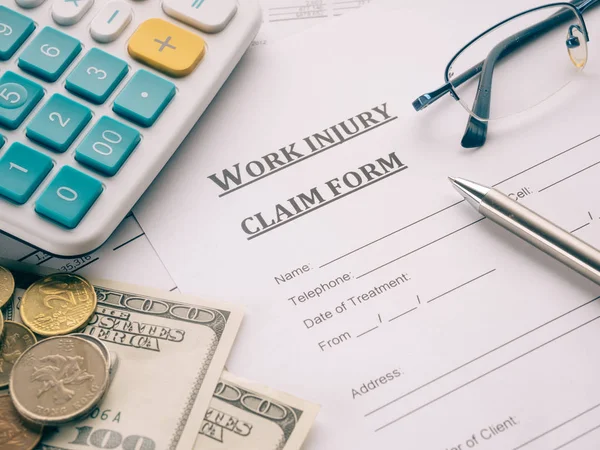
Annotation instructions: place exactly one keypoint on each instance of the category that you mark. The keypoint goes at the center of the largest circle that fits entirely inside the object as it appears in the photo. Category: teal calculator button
(58, 123)
(96, 76)
(144, 98)
(18, 96)
(14, 29)
(108, 146)
(2, 141)
(22, 169)
(68, 197)
(13, 96)
(49, 54)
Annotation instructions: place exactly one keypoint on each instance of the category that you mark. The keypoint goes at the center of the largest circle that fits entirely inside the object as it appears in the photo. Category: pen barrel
(539, 232)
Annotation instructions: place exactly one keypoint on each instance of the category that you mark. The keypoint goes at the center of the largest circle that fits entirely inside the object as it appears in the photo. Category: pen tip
(472, 192)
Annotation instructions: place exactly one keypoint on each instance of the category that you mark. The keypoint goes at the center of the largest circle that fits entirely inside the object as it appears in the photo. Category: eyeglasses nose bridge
(574, 43)
(572, 40)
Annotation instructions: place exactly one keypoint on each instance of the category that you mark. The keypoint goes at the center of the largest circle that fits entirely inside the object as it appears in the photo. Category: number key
(22, 169)
(58, 123)
(49, 54)
(14, 29)
(96, 76)
(108, 146)
(68, 197)
(18, 96)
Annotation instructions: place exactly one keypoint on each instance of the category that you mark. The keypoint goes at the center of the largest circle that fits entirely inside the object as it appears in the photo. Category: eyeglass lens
(526, 60)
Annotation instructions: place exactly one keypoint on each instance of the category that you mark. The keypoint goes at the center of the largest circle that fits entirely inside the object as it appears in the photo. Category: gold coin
(82, 328)
(15, 433)
(7, 286)
(1, 326)
(17, 339)
(58, 304)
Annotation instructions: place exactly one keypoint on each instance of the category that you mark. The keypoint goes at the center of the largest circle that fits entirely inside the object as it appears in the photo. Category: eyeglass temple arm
(583, 5)
(476, 130)
(427, 99)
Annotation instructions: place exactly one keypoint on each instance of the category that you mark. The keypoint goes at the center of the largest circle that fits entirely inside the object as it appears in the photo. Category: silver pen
(531, 227)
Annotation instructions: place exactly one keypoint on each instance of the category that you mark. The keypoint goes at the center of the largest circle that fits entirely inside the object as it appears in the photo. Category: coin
(94, 340)
(58, 304)
(7, 286)
(15, 434)
(111, 357)
(114, 365)
(58, 380)
(1, 325)
(17, 339)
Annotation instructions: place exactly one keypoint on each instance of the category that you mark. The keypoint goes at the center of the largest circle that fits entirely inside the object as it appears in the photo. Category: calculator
(95, 97)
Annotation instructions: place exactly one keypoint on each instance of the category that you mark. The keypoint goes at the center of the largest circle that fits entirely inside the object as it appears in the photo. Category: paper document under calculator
(312, 193)
(282, 18)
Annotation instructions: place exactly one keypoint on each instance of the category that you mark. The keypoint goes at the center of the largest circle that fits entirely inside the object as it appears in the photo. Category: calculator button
(68, 197)
(166, 47)
(210, 16)
(69, 12)
(2, 141)
(58, 123)
(108, 146)
(111, 21)
(14, 29)
(18, 96)
(96, 76)
(49, 54)
(29, 3)
(144, 98)
(22, 169)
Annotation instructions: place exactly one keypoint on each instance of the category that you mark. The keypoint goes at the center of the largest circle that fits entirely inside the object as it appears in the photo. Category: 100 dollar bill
(247, 416)
(171, 349)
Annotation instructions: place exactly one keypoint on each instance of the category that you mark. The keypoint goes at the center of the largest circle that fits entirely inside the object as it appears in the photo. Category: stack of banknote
(102, 365)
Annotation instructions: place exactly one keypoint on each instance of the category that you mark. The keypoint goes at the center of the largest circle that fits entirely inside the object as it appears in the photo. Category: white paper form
(127, 257)
(282, 18)
(372, 289)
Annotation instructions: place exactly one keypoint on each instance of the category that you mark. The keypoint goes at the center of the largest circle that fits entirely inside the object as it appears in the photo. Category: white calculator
(95, 96)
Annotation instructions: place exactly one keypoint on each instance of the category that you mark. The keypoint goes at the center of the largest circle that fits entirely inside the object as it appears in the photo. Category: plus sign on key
(166, 47)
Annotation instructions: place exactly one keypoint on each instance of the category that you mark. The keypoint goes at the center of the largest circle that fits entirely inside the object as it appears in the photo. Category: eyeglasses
(529, 57)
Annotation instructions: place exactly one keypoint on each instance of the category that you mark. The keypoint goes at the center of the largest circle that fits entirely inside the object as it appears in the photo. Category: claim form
(321, 202)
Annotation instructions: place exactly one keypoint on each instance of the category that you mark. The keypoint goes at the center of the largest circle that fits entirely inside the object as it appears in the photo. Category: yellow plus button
(166, 47)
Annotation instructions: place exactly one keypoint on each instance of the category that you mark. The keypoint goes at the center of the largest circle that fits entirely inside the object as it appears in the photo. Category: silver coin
(114, 365)
(94, 340)
(111, 357)
(58, 380)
